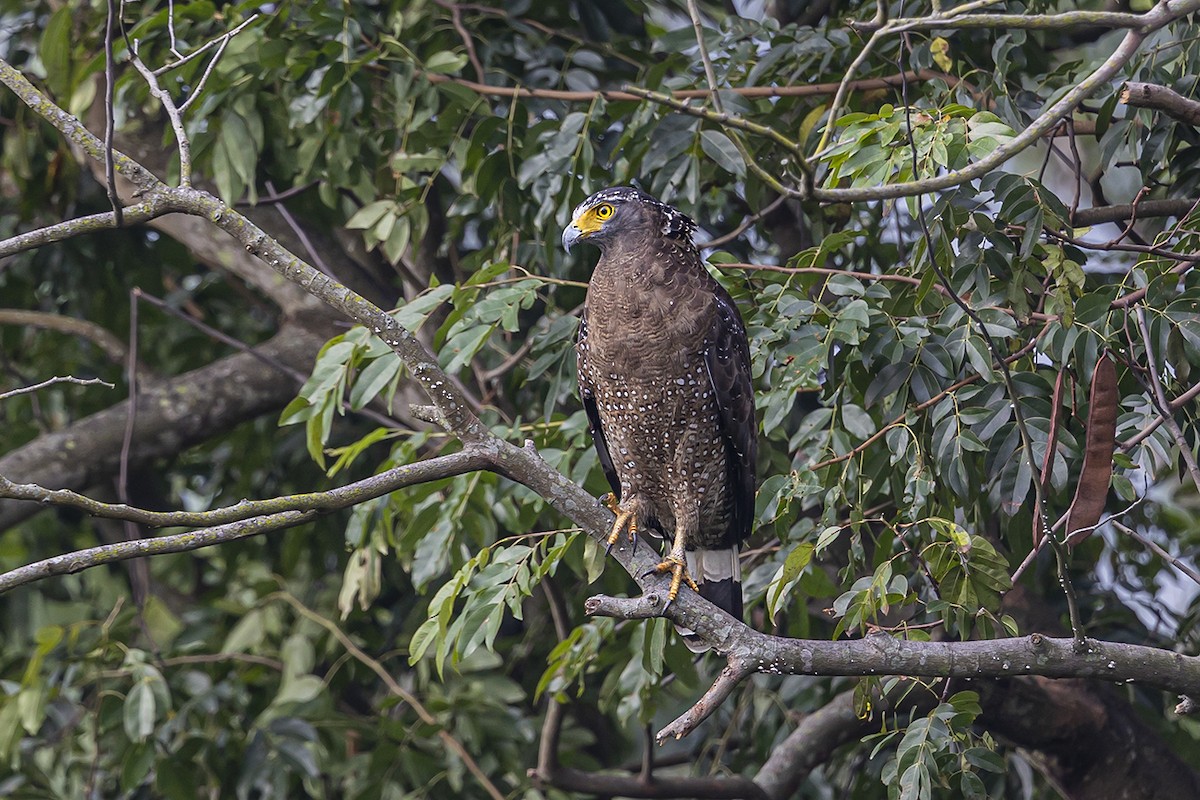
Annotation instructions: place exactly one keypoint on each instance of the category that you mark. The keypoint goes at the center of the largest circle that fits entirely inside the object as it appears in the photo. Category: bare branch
(220, 40)
(731, 675)
(109, 344)
(745, 225)
(265, 516)
(881, 654)
(152, 207)
(805, 90)
(456, 20)
(332, 500)
(182, 142)
(51, 382)
(1146, 208)
(1069, 20)
(1161, 553)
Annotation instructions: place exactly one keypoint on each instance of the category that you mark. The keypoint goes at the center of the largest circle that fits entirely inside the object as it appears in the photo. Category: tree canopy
(297, 498)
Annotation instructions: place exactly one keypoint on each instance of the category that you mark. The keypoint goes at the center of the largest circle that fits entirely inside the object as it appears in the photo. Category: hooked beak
(570, 235)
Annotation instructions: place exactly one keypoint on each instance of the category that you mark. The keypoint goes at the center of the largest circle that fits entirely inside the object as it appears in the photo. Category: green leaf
(445, 62)
(371, 381)
(722, 150)
(139, 712)
(55, 52)
(787, 575)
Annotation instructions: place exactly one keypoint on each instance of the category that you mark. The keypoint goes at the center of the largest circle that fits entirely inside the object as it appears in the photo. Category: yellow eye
(604, 211)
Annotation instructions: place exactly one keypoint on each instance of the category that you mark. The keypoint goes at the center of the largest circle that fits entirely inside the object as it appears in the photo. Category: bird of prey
(664, 373)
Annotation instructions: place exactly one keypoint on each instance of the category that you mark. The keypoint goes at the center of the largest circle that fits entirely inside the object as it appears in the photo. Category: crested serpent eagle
(664, 373)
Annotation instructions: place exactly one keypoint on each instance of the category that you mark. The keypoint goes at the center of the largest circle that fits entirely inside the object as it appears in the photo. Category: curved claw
(626, 523)
(679, 576)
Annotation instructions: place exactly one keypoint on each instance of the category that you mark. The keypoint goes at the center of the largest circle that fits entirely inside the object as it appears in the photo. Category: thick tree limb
(881, 654)
(109, 344)
(815, 739)
(1089, 745)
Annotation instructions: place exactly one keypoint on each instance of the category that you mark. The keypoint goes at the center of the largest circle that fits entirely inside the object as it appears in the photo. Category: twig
(456, 20)
(196, 92)
(182, 143)
(52, 381)
(396, 689)
(300, 234)
(1159, 397)
(1161, 553)
(131, 406)
(164, 69)
(744, 226)
(1176, 404)
(835, 107)
(110, 79)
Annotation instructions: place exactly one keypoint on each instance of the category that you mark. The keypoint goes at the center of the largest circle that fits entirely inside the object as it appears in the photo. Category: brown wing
(727, 356)
(593, 413)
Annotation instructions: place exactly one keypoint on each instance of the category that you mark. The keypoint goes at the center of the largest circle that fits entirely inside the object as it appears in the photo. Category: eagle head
(624, 210)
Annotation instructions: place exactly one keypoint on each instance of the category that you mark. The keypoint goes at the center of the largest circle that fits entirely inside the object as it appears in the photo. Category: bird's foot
(626, 522)
(679, 576)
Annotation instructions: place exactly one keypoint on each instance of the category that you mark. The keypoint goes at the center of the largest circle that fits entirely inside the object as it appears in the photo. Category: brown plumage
(664, 373)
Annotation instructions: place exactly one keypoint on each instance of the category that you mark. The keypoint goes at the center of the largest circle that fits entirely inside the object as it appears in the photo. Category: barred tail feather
(719, 575)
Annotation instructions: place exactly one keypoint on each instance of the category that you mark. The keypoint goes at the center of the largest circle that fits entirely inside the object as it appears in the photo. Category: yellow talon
(679, 574)
(626, 522)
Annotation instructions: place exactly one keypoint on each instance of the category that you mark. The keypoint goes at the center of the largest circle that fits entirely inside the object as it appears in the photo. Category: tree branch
(101, 337)
(1146, 208)
(173, 414)
(152, 207)
(1161, 98)
(51, 382)
(1157, 18)
(251, 518)
(332, 500)
(881, 654)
